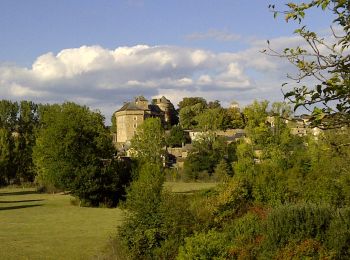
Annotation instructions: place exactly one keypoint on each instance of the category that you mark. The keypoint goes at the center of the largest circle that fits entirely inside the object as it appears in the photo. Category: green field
(47, 226)
(189, 187)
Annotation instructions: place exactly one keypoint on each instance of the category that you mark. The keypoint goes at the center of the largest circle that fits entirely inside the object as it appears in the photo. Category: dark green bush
(296, 223)
(338, 234)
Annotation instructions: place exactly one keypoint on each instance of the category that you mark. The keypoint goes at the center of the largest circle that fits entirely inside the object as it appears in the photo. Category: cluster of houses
(134, 113)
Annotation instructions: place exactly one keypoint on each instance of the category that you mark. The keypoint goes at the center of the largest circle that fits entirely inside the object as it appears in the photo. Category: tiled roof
(130, 106)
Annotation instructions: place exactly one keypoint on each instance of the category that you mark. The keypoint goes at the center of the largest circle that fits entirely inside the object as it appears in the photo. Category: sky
(101, 53)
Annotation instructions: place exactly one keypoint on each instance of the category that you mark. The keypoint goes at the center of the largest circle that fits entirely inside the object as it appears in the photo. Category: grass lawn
(47, 226)
(189, 187)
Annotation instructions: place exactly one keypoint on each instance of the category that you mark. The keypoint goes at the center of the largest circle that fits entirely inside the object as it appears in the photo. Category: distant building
(132, 114)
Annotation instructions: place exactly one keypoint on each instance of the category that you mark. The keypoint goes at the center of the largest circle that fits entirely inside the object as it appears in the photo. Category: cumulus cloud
(104, 78)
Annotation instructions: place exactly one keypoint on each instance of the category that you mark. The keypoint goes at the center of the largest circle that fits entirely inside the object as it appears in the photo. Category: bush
(211, 245)
(296, 223)
(338, 234)
(101, 185)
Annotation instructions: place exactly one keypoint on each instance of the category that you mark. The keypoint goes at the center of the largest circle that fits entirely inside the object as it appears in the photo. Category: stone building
(132, 114)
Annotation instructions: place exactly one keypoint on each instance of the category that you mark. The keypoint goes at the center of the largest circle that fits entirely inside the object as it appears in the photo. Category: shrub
(296, 223)
(338, 234)
(211, 245)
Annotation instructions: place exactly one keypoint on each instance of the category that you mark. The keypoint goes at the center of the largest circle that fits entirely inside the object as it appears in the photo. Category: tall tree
(149, 141)
(71, 139)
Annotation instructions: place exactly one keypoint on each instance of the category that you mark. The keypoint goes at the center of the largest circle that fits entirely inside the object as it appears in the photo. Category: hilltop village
(133, 113)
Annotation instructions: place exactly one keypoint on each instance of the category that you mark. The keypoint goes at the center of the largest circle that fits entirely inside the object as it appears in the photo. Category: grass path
(47, 226)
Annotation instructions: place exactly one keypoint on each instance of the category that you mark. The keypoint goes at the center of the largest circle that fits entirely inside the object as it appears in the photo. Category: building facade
(132, 114)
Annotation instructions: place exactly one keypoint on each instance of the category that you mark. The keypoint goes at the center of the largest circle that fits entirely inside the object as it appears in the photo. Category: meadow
(47, 226)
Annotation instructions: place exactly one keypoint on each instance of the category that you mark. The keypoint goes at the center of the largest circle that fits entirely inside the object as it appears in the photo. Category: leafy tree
(324, 60)
(149, 141)
(206, 153)
(102, 182)
(8, 115)
(5, 156)
(141, 234)
(222, 170)
(188, 113)
(176, 137)
(257, 128)
(236, 118)
(191, 101)
(212, 119)
(28, 122)
(71, 139)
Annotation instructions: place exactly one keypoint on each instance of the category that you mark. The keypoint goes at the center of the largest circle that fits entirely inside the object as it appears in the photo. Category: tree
(325, 60)
(256, 115)
(28, 122)
(236, 118)
(191, 101)
(176, 137)
(212, 119)
(71, 140)
(148, 142)
(5, 157)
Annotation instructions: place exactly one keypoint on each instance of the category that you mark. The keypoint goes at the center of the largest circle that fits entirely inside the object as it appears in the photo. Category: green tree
(5, 157)
(71, 139)
(188, 113)
(212, 119)
(176, 137)
(8, 115)
(191, 101)
(326, 60)
(141, 234)
(149, 141)
(28, 122)
(257, 128)
(236, 118)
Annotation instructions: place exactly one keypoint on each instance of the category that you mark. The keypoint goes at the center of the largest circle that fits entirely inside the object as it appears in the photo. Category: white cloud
(104, 79)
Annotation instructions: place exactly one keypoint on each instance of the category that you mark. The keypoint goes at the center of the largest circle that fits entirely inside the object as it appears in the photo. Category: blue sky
(101, 52)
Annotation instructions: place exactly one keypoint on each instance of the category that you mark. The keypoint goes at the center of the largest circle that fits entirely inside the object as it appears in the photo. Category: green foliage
(176, 137)
(212, 119)
(102, 183)
(5, 156)
(211, 245)
(205, 154)
(222, 171)
(327, 63)
(20, 122)
(338, 234)
(149, 141)
(236, 118)
(70, 141)
(190, 101)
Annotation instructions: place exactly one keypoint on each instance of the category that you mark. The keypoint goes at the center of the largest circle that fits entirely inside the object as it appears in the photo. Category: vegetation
(278, 195)
(37, 225)
(324, 60)
(74, 152)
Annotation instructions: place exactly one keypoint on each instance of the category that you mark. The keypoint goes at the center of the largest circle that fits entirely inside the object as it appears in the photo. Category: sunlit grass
(47, 226)
(188, 187)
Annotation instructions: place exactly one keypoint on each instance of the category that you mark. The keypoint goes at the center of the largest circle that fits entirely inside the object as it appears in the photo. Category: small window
(135, 118)
(135, 125)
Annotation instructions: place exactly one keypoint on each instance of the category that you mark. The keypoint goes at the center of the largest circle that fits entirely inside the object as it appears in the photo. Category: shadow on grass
(18, 193)
(18, 201)
(20, 207)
